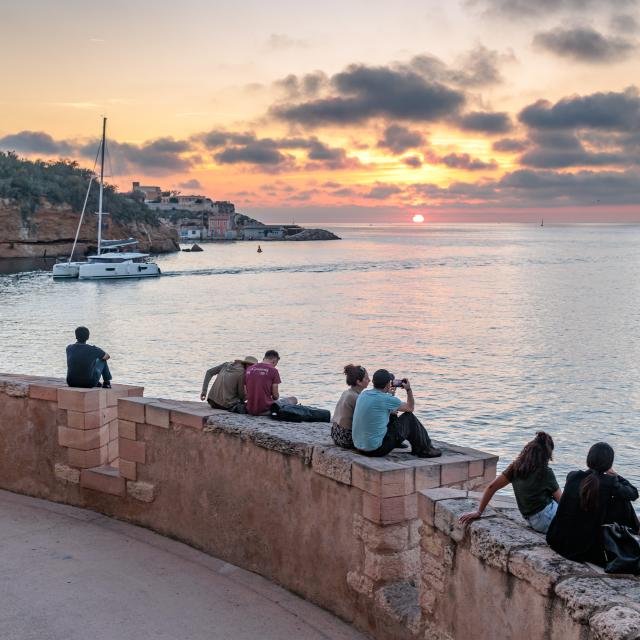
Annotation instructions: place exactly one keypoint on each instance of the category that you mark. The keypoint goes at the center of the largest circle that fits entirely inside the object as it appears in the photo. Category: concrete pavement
(71, 574)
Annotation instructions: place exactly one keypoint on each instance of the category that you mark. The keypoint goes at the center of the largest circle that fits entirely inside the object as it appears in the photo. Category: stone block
(376, 537)
(433, 571)
(542, 568)
(135, 391)
(95, 419)
(132, 450)
(453, 472)
(195, 419)
(415, 531)
(113, 450)
(157, 415)
(427, 475)
(104, 479)
(332, 462)
(128, 469)
(126, 429)
(66, 473)
(360, 583)
(132, 409)
(493, 539)
(399, 601)
(389, 510)
(88, 459)
(583, 596)
(116, 392)
(75, 419)
(43, 392)
(382, 478)
(427, 501)
(431, 544)
(61, 417)
(474, 484)
(113, 430)
(143, 491)
(476, 468)
(83, 439)
(82, 400)
(447, 514)
(17, 389)
(490, 467)
(617, 623)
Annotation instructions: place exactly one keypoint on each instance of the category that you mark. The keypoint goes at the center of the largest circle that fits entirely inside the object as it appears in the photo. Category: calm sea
(503, 329)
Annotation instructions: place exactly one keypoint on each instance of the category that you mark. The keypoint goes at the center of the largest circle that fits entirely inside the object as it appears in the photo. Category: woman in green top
(534, 484)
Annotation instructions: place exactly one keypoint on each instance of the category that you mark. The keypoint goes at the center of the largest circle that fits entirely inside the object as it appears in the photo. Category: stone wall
(496, 579)
(338, 528)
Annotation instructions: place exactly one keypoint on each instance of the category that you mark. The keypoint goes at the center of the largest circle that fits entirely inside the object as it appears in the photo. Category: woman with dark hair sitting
(534, 484)
(358, 380)
(592, 498)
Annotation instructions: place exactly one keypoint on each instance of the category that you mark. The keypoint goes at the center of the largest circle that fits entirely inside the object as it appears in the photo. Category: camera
(398, 382)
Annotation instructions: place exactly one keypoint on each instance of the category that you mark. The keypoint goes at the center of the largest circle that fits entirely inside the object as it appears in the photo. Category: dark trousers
(403, 427)
(102, 369)
(239, 407)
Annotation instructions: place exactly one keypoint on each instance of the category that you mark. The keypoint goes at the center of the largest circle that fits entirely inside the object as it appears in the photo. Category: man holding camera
(377, 429)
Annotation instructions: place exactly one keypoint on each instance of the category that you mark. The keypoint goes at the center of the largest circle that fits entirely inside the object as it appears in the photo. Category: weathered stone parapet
(273, 497)
(497, 579)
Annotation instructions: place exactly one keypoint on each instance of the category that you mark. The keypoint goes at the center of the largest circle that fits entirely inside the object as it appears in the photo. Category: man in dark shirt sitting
(86, 363)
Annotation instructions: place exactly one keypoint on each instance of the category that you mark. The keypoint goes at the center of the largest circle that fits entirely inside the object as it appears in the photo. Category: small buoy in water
(259, 249)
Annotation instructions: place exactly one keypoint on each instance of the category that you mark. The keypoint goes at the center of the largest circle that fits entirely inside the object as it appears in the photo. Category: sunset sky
(340, 111)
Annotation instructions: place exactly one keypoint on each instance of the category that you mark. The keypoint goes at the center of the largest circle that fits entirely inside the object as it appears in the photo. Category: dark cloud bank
(585, 45)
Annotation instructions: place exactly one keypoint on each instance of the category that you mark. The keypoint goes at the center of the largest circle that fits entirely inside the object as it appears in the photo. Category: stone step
(106, 479)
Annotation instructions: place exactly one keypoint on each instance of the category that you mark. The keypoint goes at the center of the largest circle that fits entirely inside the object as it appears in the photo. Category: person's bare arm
(499, 483)
(409, 405)
(106, 356)
(275, 394)
(557, 494)
(214, 371)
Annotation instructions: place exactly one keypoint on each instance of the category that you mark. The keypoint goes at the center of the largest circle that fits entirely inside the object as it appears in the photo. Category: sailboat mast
(102, 146)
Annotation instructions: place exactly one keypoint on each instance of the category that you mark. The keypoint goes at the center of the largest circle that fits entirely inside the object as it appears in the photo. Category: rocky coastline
(50, 230)
(314, 234)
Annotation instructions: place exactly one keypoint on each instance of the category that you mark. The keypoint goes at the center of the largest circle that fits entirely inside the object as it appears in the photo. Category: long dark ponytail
(599, 460)
(535, 455)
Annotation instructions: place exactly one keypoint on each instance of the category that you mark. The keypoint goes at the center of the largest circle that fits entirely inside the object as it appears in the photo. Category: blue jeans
(101, 369)
(540, 521)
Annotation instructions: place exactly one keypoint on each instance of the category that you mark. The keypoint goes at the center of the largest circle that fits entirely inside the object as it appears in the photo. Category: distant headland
(41, 202)
(197, 217)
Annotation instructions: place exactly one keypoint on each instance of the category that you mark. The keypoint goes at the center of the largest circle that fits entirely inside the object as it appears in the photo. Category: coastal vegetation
(34, 183)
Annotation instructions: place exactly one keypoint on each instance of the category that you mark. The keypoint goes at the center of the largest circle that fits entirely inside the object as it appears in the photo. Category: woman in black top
(590, 499)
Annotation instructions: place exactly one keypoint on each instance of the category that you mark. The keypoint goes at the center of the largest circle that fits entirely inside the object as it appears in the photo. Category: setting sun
(418, 218)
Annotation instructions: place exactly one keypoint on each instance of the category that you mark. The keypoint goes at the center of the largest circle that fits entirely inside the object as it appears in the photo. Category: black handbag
(622, 549)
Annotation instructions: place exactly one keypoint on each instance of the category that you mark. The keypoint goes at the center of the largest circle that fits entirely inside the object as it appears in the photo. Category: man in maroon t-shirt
(261, 381)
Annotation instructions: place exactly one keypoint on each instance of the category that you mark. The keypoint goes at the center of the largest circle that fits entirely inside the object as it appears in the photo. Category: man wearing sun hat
(227, 390)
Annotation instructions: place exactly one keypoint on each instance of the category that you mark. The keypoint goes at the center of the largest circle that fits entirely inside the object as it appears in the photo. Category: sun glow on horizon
(418, 218)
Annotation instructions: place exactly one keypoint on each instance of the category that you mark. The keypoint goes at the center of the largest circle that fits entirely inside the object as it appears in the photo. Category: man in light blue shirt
(377, 430)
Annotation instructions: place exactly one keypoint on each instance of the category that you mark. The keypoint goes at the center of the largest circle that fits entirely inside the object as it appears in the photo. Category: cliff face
(49, 232)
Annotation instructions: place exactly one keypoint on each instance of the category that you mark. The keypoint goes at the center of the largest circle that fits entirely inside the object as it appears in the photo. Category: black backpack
(299, 413)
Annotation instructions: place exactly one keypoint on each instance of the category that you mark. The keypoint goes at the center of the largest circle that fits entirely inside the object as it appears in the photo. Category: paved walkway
(71, 574)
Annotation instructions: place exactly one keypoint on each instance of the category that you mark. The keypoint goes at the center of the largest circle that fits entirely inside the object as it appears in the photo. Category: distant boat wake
(303, 268)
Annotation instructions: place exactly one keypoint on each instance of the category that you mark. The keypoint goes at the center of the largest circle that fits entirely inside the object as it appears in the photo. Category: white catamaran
(111, 263)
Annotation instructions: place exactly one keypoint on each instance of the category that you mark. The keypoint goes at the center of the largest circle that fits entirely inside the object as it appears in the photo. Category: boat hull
(66, 270)
(113, 271)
